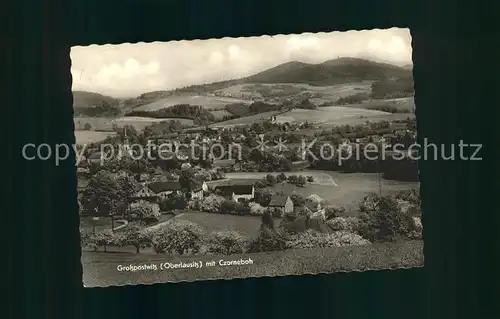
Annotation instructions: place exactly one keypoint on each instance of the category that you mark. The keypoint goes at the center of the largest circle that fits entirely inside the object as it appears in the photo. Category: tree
(281, 177)
(382, 219)
(180, 237)
(271, 179)
(87, 126)
(144, 211)
(173, 202)
(102, 239)
(137, 237)
(101, 195)
(226, 243)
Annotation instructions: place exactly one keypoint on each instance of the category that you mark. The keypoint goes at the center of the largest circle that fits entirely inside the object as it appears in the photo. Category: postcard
(246, 157)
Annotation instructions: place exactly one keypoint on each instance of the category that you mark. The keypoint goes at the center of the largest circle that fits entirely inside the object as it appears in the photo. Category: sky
(128, 70)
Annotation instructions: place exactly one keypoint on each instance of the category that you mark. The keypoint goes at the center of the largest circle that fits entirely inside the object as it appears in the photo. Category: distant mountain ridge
(331, 72)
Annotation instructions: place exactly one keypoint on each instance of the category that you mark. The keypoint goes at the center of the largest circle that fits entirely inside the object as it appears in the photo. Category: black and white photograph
(246, 157)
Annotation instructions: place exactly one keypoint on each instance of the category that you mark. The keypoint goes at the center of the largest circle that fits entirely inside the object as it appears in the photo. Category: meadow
(87, 137)
(323, 94)
(341, 189)
(209, 102)
(245, 225)
(329, 115)
(100, 269)
(248, 120)
(406, 104)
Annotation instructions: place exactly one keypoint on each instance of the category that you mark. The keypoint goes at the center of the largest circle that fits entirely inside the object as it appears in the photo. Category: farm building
(224, 163)
(282, 203)
(236, 190)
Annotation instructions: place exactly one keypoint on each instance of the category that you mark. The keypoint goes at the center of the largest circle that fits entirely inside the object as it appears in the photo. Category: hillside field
(247, 120)
(209, 102)
(100, 269)
(329, 93)
(403, 104)
(328, 115)
(86, 137)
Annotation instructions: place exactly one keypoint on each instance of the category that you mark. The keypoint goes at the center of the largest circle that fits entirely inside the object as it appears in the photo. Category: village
(169, 183)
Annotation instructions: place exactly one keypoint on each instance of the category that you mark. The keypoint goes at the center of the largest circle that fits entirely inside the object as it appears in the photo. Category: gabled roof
(224, 162)
(228, 190)
(278, 201)
(159, 187)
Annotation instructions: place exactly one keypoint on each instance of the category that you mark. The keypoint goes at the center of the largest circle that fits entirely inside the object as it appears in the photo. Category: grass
(330, 115)
(328, 93)
(342, 189)
(247, 120)
(320, 178)
(209, 102)
(406, 104)
(245, 225)
(86, 137)
(100, 269)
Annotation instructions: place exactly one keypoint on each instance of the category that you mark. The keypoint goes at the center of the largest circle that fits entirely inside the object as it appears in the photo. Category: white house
(282, 203)
(236, 190)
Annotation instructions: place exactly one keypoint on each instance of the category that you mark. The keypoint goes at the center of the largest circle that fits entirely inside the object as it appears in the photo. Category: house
(224, 163)
(236, 190)
(164, 190)
(197, 189)
(282, 203)
(95, 158)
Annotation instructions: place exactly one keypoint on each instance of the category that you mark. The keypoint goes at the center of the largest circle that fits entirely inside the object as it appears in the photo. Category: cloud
(132, 69)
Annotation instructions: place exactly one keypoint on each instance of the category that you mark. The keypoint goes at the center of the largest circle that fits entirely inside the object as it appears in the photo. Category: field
(245, 225)
(100, 269)
(86, 137)
(320, 178)
(345, 189)
(102, 127)
(248, 120)
(402, 104)
(209, 102)
(323, 94)
(328, 115)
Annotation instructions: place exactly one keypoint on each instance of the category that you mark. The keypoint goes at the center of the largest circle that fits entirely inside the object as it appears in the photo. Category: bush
(181, 237)
(173, 202)
(269, 240)
(256, 209)
(233, 208)
(382, 219)
(312, 239)
(212, 203)
(225, 243)
(349, 224)
(281, 177)
(334, 212)
(83, 237)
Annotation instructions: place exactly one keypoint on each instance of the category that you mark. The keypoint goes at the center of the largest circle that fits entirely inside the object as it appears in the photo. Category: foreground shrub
(181, 237)
(269, 240)
(349, 224)
(225, 243)
(212, 203)
(312, 239)
(256, 209)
